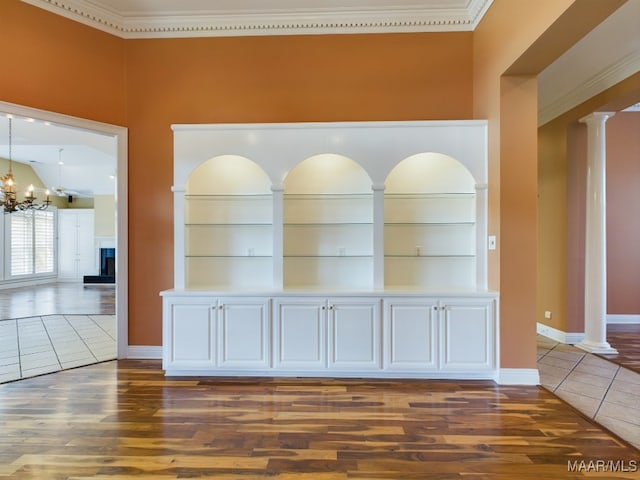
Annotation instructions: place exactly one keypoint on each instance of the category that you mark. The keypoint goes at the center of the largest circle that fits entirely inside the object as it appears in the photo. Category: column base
(600, 348)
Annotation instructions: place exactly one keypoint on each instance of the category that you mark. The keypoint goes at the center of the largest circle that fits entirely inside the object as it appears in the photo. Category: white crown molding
(624, 68)
(301, 22)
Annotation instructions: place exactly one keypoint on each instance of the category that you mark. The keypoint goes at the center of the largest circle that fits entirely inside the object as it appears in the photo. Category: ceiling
(604, 57)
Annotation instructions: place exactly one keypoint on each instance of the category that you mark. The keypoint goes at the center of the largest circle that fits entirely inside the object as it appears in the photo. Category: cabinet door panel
(354, 334)
(190, 342)
(411, 335)
(468, 331)
(244, 333)
(300, 331)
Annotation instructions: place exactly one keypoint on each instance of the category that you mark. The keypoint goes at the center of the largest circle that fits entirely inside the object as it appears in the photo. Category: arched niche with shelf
(228, 225)
(328, 224)
(430, 224)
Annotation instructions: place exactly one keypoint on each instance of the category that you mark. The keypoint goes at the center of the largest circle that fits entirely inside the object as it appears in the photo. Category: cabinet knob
(323, 307)
(331, 307)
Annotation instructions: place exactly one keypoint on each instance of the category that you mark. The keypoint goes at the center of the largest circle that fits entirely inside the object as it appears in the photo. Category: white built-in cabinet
(77, 254)
(337, 249)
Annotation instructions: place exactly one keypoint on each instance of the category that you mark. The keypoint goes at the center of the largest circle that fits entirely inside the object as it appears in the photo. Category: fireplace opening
(107, 262)
(107, 268)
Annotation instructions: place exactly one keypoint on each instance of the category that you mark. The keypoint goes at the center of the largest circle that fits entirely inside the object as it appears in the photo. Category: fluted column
(595, 291)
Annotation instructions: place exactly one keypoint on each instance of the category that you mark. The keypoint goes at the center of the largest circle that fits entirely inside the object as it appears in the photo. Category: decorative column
(595, 281)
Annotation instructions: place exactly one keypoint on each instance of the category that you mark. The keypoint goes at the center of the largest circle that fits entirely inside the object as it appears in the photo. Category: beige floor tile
(573, 386)
(599, 362)
(628, 387)
(598, 370)
(621, 412)
(593, 380)
(629, 376)
(627, 399)
(558, 362)
(629, 431)
(566, 355)
(586, 405)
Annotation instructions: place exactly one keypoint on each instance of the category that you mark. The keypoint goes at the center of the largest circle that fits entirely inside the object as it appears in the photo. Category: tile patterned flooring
(44, 344)
(600, 389)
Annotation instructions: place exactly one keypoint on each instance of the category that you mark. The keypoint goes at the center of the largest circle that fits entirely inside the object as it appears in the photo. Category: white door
(189, 336)
(468, 333)
(411, 332)
(300, 334)
(354, 333)
(77, 254)
(244, 333)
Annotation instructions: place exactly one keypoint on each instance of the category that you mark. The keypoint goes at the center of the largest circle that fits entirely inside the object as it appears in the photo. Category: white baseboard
(144, 352)
(623, 318)
(518, 376)
(559, 335)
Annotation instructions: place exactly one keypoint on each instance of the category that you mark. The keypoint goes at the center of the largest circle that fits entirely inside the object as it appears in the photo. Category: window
(32, 242)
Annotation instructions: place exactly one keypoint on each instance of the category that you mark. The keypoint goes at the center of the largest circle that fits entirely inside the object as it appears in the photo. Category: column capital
(597, 117)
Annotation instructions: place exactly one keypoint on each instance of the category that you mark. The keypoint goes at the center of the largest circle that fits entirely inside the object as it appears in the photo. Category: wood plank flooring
(124, 419)
(626, 339)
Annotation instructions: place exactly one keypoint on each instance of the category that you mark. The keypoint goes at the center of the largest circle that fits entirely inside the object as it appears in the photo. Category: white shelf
(229, 272)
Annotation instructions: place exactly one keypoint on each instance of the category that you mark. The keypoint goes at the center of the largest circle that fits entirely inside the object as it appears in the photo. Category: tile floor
(43, 344)
(603, 391)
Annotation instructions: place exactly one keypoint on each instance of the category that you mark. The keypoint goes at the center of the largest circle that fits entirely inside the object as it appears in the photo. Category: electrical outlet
(492, 242)
(547, 314)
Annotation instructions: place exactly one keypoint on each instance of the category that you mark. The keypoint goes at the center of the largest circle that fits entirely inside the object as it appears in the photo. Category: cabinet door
(244, 332)
(189, 335)
(300, 334)
(67, 246)
(468, 334)
(411, 332)
(77, 254)
(354, 333)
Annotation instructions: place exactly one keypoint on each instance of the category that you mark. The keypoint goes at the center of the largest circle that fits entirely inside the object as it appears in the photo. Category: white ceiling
(606, 56)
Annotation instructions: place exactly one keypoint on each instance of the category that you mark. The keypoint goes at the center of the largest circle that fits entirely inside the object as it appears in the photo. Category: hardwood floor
(57, 299)
(124, 419)
(626, 339)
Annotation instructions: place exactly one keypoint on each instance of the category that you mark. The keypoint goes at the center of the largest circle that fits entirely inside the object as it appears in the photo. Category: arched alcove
(327, 173)
(430, 172)
(228, 175)
(228, 225)
(328, 224)
(430, 224)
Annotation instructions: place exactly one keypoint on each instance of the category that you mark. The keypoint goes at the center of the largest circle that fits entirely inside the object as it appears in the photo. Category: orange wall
(55, 64)
(265, 79)
(507, 56)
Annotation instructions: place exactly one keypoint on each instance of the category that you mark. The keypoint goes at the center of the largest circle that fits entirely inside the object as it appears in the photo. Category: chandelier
(8, 191)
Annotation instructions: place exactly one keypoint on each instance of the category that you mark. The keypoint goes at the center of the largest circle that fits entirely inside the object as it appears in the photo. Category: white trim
(122, 252)
(604, 79)
(243, 22)
(518, 376)
(559, 335)
(144, 352)
(622, 318)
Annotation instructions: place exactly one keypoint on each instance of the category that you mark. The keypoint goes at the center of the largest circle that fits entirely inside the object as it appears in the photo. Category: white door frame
(122, 256)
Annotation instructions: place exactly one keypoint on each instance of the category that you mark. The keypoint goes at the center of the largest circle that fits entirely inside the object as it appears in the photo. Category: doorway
(120, 136)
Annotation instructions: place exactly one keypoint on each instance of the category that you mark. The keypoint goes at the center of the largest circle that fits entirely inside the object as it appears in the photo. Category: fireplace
(107, 262)
(107, 268)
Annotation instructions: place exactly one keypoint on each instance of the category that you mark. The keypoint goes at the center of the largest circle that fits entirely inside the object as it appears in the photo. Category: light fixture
(8, 189)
